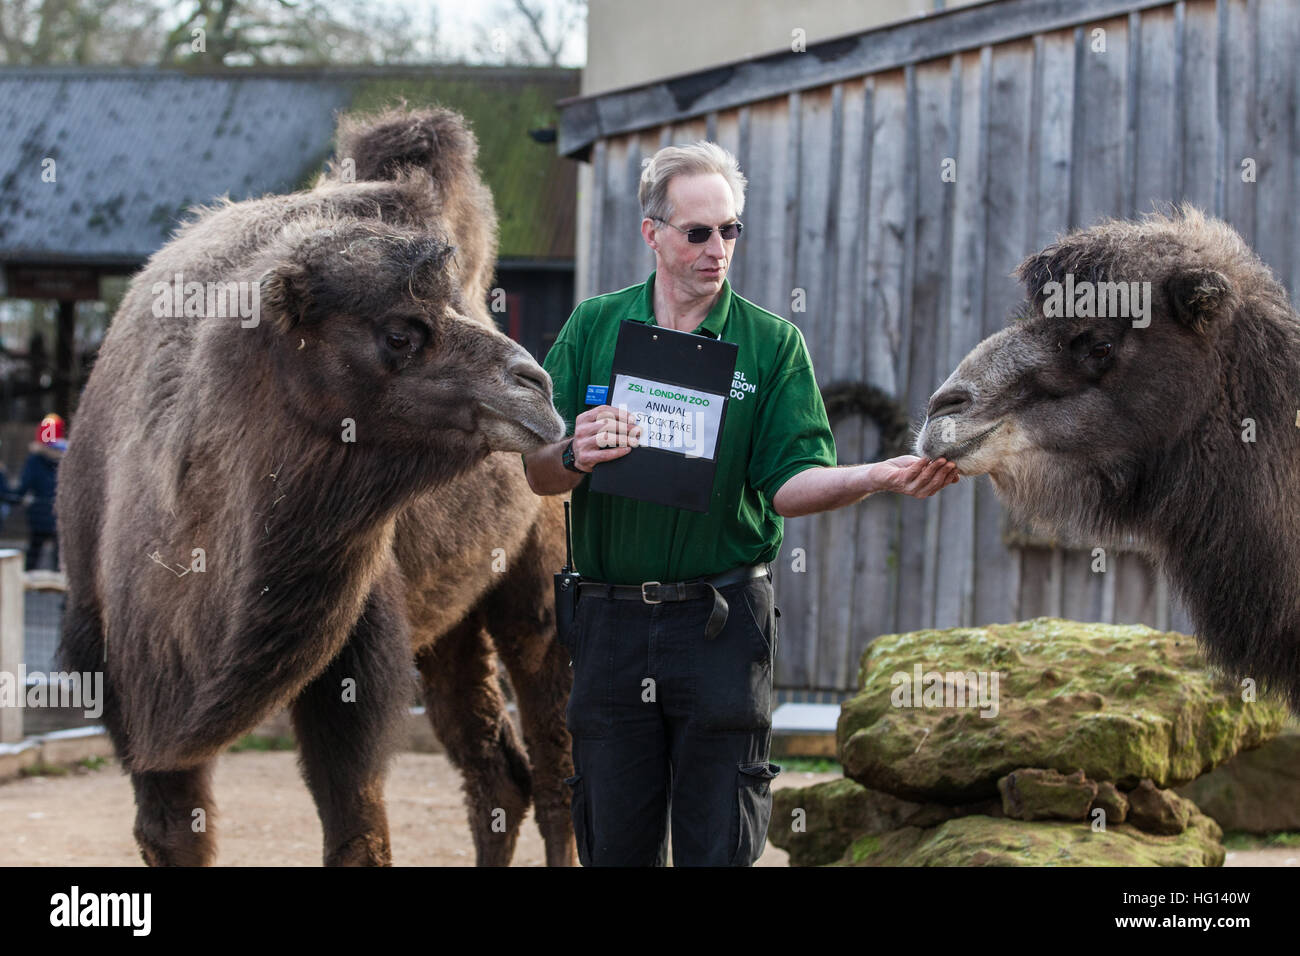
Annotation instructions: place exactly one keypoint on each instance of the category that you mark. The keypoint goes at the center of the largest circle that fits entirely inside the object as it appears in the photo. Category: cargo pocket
(578, 808)
(754, 806)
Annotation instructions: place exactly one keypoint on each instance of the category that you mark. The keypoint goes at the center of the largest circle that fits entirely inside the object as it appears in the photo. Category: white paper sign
(672, 418)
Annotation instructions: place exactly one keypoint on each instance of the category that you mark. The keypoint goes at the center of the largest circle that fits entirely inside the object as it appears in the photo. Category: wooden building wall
(903, 273)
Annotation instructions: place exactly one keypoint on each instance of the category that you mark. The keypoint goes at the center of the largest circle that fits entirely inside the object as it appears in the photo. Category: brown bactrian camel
(300, 434)
(1151, 388)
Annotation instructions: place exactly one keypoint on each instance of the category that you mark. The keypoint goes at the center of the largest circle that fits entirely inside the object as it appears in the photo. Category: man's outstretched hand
(918, 477)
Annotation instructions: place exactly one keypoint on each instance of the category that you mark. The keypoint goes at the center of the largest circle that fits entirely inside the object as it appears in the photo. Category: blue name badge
(596, 394)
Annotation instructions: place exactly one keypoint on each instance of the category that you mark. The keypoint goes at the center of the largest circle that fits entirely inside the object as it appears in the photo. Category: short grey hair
(699, 157)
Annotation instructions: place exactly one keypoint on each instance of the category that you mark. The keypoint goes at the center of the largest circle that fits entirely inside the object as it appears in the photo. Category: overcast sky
(460, 22)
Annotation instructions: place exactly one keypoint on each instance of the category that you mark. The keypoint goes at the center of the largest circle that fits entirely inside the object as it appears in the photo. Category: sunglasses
(699, 234)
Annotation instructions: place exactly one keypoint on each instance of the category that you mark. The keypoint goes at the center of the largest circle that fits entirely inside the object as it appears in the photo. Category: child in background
(37, 487)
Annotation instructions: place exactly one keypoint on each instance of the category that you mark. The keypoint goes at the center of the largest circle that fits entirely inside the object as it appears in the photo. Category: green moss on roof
(534, 188)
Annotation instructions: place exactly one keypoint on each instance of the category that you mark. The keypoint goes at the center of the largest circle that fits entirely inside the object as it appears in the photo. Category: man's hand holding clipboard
(602, 434)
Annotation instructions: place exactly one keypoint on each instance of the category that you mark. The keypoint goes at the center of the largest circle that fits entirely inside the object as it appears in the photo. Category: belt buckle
(650, 584)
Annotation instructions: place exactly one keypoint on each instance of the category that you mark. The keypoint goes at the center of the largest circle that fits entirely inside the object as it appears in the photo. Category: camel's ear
(285, 295)
(1197, 296)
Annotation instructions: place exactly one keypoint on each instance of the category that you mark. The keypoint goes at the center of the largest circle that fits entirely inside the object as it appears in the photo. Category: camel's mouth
(963, 448)
(538, 432)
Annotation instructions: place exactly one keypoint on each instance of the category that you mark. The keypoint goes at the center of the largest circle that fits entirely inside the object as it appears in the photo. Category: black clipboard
(686, 360)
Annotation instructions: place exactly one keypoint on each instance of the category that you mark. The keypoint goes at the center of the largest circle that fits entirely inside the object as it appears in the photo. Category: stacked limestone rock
(1061, 748)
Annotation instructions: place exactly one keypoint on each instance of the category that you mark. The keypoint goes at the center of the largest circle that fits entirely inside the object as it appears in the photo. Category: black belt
(656, 592)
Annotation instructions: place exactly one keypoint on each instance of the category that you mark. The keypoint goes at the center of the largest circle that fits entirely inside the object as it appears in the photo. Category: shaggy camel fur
(1182, 432)
(251, 506)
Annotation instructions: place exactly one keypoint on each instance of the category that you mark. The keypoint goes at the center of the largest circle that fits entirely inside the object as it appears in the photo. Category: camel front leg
(174, 816)
(347, 722)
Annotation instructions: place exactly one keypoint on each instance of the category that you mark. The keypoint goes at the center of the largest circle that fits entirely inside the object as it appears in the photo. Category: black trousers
(670, 727)
(36, 544)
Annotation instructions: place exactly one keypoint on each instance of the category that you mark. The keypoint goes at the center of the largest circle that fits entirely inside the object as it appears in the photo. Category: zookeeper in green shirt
(672, 682)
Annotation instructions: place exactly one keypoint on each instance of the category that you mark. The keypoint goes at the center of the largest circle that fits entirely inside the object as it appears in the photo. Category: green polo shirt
(775, 428)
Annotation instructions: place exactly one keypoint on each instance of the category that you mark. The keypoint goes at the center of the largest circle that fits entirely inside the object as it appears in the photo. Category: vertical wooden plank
(1056, 61)
(1161, 602)
(1038, 594)
(1276, 30)
(809, 217)
(1135, 589)
(1082, 588)
(1198, 106)
(1132, 88)
(742, 154)
(1159, 155)
(887, 263)
(597, 240)
(619, 248)
(1238, 108)
(954, 508)
(1101, 105)
(726, 133)
(1078, 130)
(1056, 583)
(638, 261)
(879, 254)
(934, 102)
(1180, 97)
(1008, 161)
(785, 270)
(1108, 589)
(765, 239)
(874, 519)
(838, 333)
(767, 251)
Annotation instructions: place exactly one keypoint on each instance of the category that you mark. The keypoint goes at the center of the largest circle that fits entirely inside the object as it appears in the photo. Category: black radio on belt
(566, 589)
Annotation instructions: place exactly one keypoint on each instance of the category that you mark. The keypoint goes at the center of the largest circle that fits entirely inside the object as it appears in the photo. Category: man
(671, 703)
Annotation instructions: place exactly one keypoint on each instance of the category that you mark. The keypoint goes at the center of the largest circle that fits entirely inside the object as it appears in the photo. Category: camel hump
(382, 145)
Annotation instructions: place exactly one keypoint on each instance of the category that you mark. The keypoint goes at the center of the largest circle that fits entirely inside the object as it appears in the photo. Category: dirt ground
(266, 818)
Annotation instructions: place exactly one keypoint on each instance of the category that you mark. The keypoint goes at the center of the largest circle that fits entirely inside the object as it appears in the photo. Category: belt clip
(650, 584)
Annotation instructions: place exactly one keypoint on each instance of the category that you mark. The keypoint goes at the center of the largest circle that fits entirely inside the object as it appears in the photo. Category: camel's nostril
(530, 375)
(949, 401)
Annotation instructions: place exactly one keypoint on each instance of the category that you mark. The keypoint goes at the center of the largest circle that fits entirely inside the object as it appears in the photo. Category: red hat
(50, 430)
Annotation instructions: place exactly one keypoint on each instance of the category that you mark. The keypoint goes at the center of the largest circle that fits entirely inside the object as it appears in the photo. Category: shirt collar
(713, 324)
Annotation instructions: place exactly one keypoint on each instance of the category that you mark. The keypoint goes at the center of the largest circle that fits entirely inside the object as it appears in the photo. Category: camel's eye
(1100, 351)
(400, 341)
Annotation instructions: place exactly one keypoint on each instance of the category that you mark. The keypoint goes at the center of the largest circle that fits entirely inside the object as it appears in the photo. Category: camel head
(1113, 362)
(369, 324)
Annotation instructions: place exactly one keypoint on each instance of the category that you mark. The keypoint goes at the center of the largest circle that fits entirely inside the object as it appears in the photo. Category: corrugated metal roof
(133, 149)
